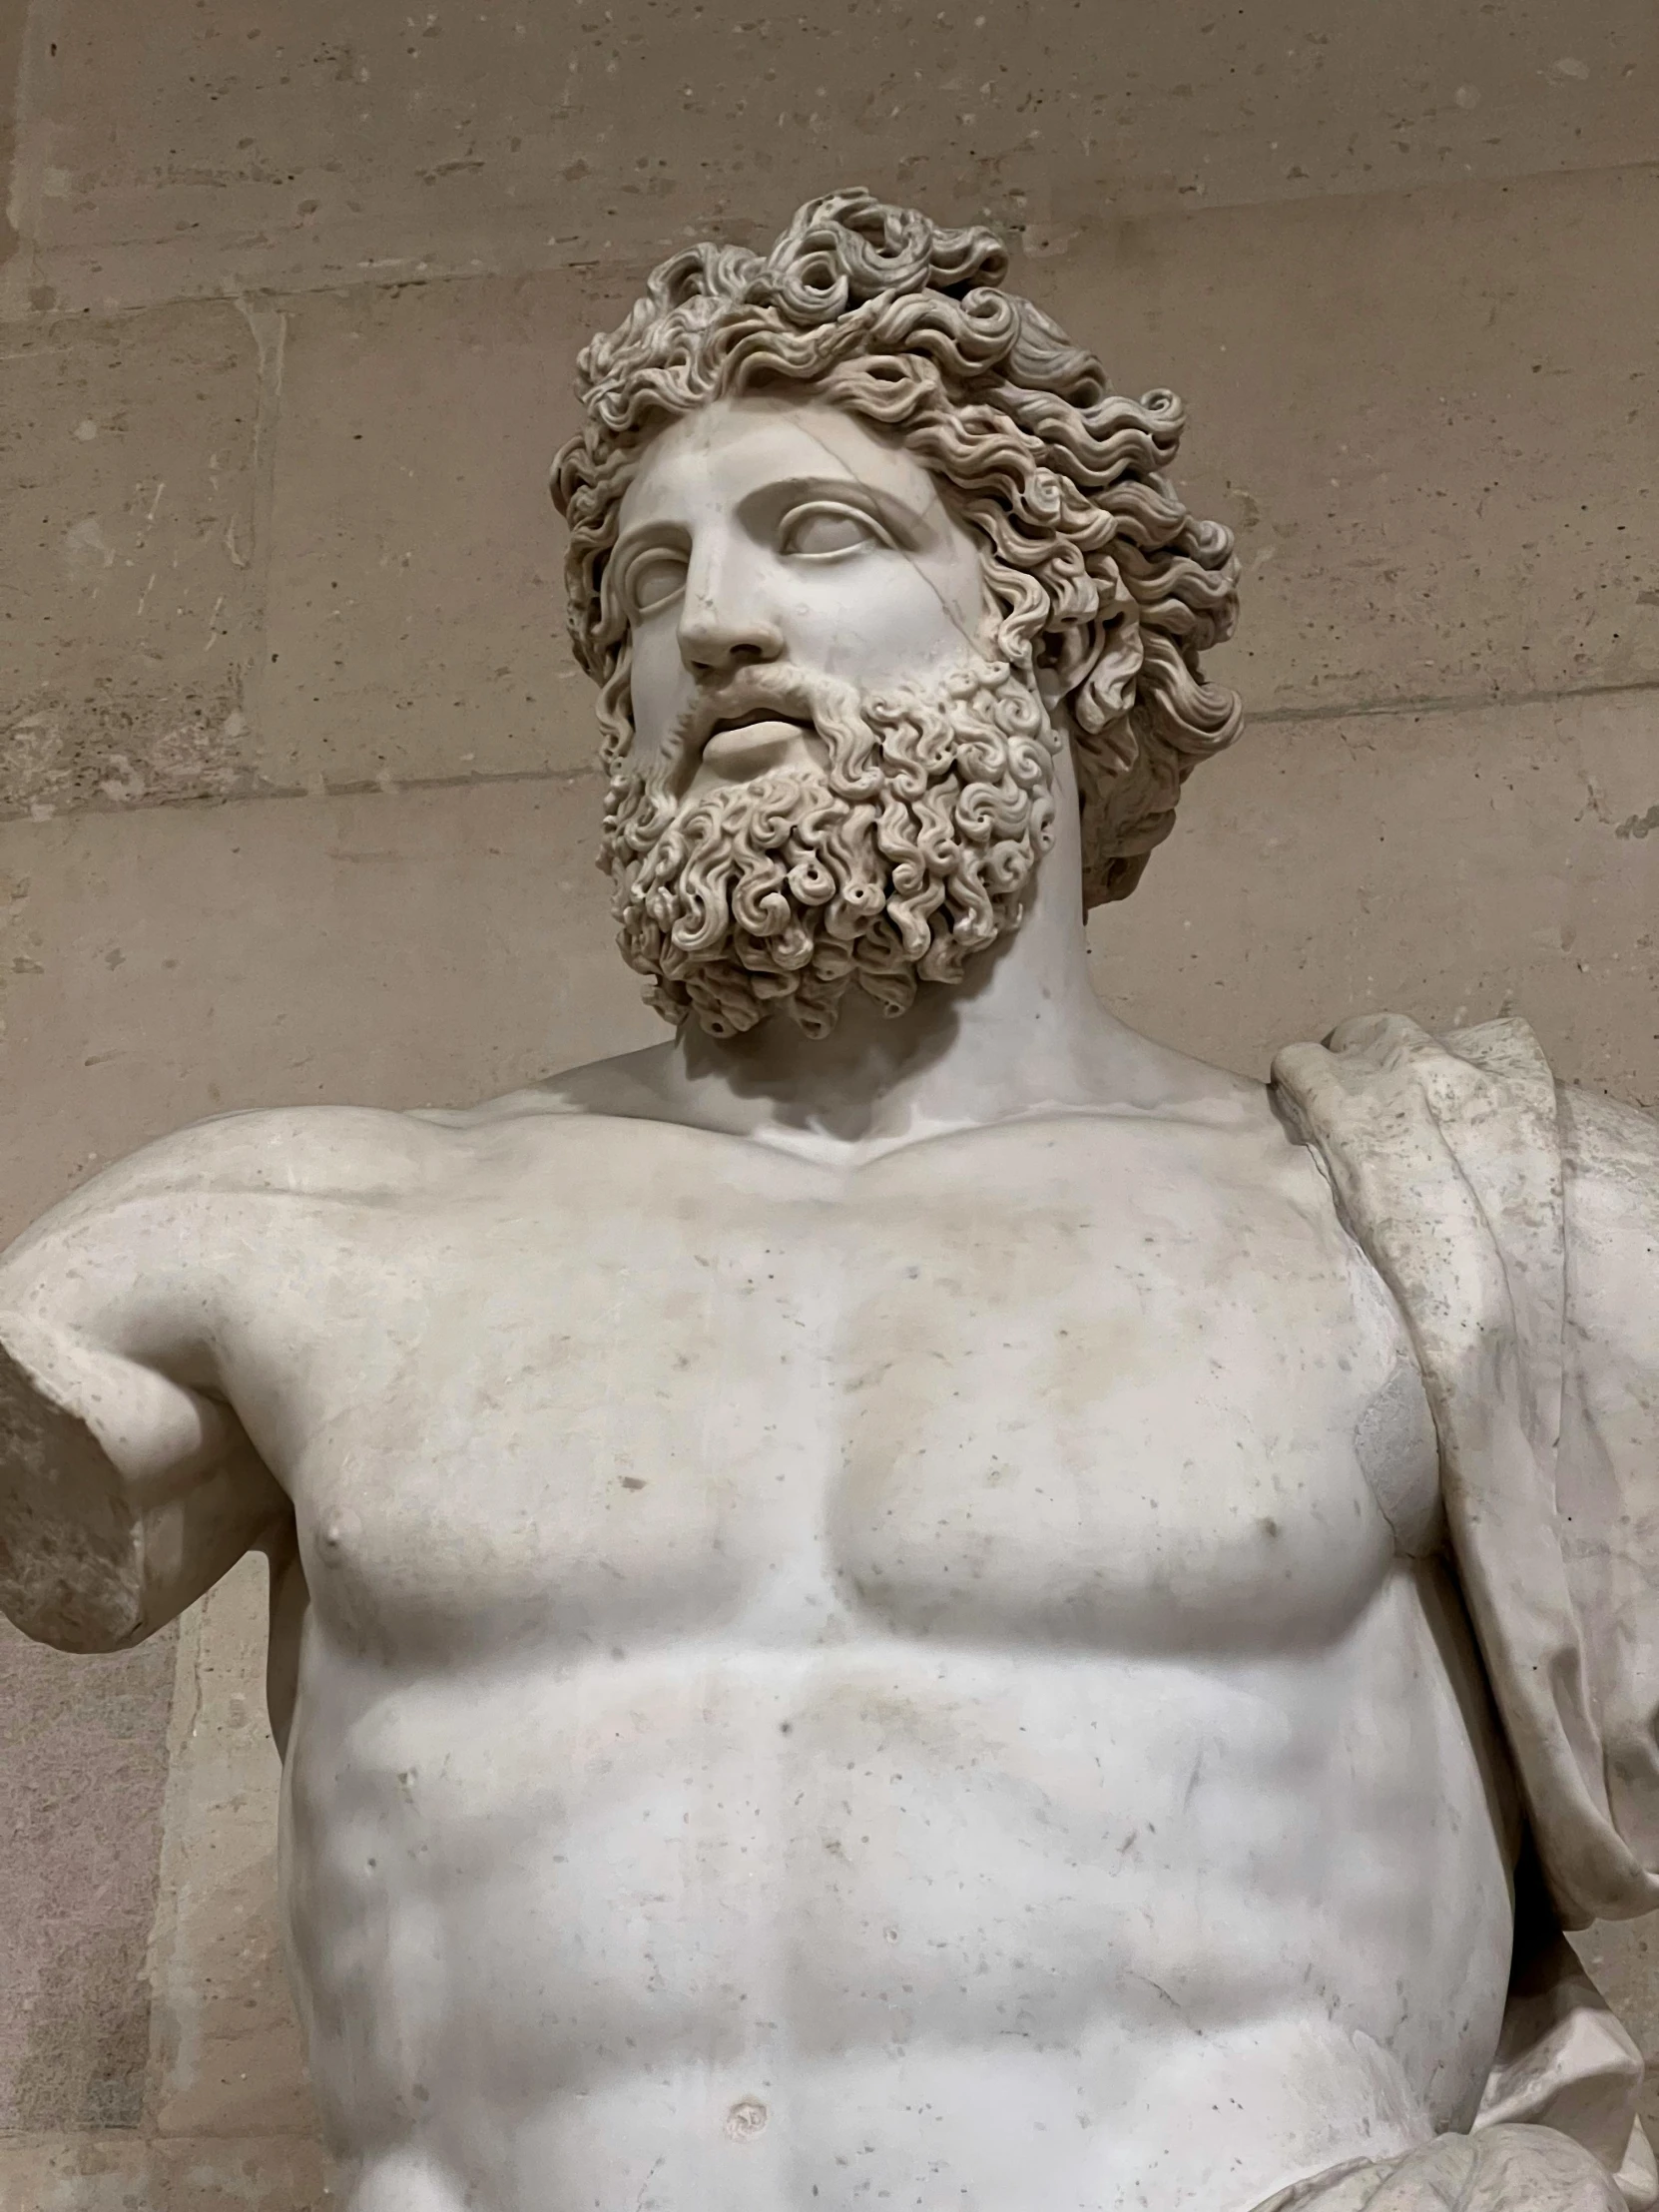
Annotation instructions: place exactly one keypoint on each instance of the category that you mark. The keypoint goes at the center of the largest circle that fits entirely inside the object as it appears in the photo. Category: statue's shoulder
(318, 1152)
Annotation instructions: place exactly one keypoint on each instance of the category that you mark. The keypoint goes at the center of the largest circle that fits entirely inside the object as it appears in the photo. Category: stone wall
(295, 795)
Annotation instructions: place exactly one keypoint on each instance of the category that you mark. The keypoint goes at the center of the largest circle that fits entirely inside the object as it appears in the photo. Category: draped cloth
(1506, 2169)
(1446, 1158)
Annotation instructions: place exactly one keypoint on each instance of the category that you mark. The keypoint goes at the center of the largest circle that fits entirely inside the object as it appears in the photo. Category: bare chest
(1032, 1389)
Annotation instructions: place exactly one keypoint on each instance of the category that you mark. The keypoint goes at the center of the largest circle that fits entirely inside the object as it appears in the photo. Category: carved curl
(1105, 584)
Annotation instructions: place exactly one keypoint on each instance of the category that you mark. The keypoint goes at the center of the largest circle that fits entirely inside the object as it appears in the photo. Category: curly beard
(906, 852)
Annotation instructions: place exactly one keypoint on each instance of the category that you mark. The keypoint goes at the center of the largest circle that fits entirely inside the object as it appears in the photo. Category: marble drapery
(1454, 1164)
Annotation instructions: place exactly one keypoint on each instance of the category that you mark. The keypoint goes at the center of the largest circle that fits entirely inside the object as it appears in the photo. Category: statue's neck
(1022, 1031)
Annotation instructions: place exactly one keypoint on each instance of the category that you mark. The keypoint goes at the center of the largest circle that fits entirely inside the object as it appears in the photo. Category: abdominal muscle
(721, 1929)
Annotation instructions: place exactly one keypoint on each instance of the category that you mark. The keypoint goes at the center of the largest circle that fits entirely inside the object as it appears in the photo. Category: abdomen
(888, 1862)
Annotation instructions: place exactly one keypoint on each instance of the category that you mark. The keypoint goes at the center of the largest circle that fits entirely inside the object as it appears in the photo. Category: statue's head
(859, 545)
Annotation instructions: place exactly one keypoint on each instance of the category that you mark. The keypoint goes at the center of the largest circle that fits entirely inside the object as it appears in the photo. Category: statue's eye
(653, 579)
(822, 529)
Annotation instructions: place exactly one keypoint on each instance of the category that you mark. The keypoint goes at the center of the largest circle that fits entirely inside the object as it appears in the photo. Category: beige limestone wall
(296, 795)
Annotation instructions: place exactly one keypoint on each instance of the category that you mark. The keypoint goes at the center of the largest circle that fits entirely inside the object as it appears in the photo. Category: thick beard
(908, 852)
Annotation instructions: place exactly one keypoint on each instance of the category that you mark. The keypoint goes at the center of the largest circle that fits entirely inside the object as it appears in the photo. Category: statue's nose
(723, 624)
(712, 644)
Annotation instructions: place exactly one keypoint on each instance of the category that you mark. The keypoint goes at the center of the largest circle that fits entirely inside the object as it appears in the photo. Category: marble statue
(906, 1599)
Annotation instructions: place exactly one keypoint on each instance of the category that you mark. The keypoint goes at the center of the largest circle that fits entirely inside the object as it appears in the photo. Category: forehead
(720, 456)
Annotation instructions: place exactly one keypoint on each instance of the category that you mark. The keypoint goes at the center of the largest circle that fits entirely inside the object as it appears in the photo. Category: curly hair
(1099, 575)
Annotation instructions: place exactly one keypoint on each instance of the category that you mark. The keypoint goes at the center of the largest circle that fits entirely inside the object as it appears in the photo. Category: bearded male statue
(906, 1599)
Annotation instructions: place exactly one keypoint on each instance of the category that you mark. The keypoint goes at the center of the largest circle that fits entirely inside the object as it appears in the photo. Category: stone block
(273, 144)
(417, 621)
(442, 944)
(127, 561)
(1463, 512)
(1427, 416)
(136, 2174)
(225, 2051)
(1450, 865)
(82, 1771)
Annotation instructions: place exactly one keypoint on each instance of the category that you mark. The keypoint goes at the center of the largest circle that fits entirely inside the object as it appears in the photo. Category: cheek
(653, 688)
(898, 621)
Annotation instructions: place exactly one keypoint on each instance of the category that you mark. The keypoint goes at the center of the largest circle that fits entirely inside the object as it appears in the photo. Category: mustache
(786, 693)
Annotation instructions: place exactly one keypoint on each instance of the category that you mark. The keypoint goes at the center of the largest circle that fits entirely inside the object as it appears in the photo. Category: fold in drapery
(1447, 1160)
(1512, 2169)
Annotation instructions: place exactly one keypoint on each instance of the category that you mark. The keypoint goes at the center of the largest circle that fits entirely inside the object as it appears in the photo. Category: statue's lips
(759, 741)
